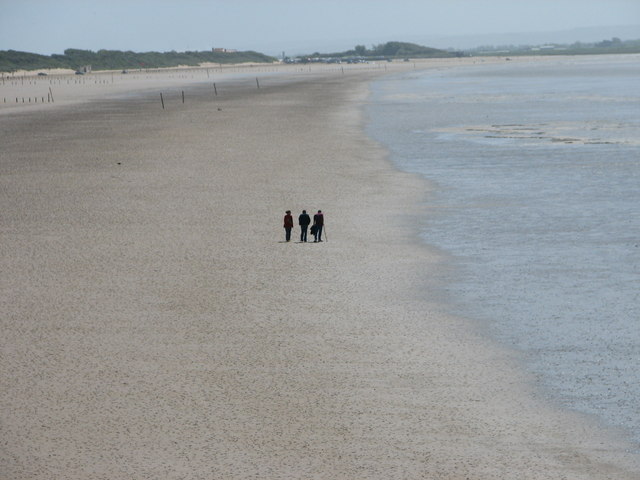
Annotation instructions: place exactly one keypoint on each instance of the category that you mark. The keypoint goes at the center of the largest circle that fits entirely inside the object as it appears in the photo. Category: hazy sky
(295, 26)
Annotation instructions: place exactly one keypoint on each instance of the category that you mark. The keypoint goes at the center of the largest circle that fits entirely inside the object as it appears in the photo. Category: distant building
(224, 50)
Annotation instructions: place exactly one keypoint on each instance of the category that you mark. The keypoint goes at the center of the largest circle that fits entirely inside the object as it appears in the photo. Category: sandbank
(156, 325)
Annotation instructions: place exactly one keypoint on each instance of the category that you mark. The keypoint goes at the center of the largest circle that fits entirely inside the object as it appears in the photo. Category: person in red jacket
(288, 225)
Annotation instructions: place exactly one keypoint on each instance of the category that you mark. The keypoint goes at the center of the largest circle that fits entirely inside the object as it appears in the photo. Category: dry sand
(155, 325)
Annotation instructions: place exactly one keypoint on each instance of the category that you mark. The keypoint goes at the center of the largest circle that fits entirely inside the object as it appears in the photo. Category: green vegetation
(613, 46)
(11, 60)
(385, 51)
(395, 50)
(400, 50)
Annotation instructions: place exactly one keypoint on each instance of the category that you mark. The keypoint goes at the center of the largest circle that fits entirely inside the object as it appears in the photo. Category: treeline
(391, 50)
(11, 60)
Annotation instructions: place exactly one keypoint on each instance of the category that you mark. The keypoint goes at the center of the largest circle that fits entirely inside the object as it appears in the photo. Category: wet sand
(156, 325)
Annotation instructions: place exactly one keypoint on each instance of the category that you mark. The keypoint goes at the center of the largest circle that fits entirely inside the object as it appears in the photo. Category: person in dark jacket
(288, 225)
(304, 220)
(318, 223)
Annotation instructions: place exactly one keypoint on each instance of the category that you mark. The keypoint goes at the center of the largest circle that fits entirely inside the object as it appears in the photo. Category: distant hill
(404, 49)
(390, 50)
(11, 60)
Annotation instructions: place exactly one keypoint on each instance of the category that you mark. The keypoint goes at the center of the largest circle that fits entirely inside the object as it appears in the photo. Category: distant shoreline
(252, 65)
(70, 71)
(115, 60)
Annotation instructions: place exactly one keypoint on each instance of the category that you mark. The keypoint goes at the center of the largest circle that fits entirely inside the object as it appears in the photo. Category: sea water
(535, 169)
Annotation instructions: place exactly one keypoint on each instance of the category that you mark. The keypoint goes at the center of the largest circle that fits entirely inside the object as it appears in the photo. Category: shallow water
(536, 168)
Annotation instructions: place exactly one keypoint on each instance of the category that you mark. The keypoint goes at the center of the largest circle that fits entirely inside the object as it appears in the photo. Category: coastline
(157, 326)
(26, 91)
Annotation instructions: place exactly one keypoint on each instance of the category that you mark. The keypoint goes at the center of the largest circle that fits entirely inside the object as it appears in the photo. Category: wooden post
(215, 90)
(257, 83)
(51, 93)
(162, 100)
(182, 96)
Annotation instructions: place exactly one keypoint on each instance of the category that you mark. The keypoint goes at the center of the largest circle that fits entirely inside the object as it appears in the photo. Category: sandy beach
(156, 325)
